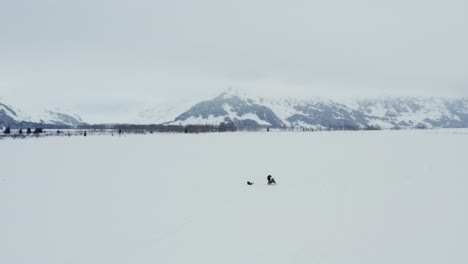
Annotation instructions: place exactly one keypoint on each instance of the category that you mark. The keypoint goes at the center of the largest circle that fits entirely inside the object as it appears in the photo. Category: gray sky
(109, 52)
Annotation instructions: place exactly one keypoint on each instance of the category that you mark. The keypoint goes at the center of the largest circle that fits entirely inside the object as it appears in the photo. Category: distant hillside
(388, 112)
(16, 118)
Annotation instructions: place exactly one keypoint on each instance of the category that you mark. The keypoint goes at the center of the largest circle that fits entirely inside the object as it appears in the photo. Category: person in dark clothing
(249, 183)
(271, 180)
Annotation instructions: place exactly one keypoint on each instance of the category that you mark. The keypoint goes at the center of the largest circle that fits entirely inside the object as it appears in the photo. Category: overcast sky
(108, 52)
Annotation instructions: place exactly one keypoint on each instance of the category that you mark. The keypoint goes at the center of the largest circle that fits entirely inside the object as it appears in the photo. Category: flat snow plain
(342, 197)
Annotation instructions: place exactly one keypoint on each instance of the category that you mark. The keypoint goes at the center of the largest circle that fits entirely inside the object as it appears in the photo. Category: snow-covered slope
(244, 110)
(249, 111)
(9, 113)
(417, 112)
(316, 112)
(163, 113)
(229, 107)
(13, 117)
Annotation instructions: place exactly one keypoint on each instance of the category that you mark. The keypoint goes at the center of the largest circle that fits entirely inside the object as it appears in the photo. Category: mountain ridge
(242, 110)
(248, 111)
(16, 118)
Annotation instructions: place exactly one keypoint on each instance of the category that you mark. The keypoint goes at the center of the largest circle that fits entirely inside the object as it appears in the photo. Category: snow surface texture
(342, 197)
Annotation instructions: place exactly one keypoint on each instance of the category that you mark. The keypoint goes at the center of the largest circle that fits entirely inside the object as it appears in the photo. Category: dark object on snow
(271, 180)
(249, 183)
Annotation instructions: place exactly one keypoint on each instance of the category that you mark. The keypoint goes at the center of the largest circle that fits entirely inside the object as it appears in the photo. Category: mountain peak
(232, 92)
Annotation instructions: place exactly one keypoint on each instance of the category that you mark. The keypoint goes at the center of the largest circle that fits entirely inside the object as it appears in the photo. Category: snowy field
(342, 197)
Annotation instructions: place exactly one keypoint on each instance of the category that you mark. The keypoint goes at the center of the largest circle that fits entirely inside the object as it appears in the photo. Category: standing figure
(271, 180)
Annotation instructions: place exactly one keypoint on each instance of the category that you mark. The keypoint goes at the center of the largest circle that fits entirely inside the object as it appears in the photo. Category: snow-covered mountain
(246, 110)
(162, 113)
(250, 111)
(13, 117)
(230, 106)
(417, 112)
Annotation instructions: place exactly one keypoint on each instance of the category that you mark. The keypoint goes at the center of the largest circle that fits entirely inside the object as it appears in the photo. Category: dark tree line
(7, 131)
(141, 129)
(121, 129)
